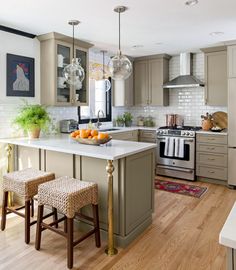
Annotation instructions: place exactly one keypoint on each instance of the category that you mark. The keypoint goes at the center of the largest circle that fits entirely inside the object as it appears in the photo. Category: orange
(94, 132)
(77, 137)
(83, 133)
(77, 132)
(95, 137)
(102, 136)
(89, 137)
(73, 134)
(88, 132)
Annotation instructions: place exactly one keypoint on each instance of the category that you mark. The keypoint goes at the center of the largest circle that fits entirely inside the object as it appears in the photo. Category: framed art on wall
(20, 76)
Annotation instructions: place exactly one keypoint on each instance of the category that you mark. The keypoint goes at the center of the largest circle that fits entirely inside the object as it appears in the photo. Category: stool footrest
(49, 227)
(76, 242)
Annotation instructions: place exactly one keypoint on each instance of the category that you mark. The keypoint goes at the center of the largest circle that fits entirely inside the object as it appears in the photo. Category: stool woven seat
(68, 195)
(25, 182)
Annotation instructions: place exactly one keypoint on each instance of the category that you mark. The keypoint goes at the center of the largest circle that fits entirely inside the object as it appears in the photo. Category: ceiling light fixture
(191, 2)
(137, 46)
(74, 73)
(217, 33)
(106, 81)
(119, 65)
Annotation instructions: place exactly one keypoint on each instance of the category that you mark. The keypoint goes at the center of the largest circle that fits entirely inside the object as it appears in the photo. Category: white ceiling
(170, 22)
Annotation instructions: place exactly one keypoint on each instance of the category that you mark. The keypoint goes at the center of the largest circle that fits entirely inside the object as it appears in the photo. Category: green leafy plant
(128, 117)
(32, 117)
(120, 121)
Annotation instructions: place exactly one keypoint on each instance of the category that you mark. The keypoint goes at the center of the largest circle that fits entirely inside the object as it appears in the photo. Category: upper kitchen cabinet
(216, 76)
(231, 61)
(123, 92)
(150, 73)
(57, 52)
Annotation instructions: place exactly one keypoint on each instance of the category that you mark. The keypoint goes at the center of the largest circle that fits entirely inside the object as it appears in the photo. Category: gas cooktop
(191, 128)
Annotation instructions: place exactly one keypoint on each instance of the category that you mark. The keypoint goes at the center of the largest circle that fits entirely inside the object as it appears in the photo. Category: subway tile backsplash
(188, 102)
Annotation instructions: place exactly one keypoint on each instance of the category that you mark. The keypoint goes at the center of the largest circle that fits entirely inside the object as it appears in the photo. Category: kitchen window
(99, 99)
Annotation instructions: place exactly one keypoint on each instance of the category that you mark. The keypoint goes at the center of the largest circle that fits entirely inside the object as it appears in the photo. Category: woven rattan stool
(25, 184)
(68, 196)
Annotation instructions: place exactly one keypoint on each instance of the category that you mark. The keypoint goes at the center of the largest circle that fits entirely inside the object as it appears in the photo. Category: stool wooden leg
(39, 227)
(96, 225)
(27, 221)
(32, 207)
(65, 225)
(70, 243)
(4, 210)
(55, 217)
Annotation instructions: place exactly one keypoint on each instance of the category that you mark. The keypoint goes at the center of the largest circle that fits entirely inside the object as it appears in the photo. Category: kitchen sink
(109, 129)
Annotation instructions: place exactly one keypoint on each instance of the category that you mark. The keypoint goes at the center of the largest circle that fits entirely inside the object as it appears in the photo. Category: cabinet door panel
(231, 112)
(141, 82)
(216, 78)
(232, 61)
(155, 82)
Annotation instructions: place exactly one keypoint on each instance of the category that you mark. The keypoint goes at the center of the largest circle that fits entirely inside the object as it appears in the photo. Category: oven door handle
(175, 168)
(186, 140)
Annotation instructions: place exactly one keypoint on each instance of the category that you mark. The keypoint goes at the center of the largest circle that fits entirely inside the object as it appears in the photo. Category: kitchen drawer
(148, 140)
(126, 135)
(215, 139)
(212, 159)
(147, 136)
(212, 172)
(212, 148)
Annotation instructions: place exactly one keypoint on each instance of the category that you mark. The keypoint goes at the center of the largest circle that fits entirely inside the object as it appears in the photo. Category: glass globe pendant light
(74, 73)
(119, 65)
(107, 83)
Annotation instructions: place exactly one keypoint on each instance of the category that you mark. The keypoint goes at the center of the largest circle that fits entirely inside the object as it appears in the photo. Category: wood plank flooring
(184, 236)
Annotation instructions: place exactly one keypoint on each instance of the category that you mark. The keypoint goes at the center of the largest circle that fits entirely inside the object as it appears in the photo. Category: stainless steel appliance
(174, 166)
(185, 79)
(68, 125)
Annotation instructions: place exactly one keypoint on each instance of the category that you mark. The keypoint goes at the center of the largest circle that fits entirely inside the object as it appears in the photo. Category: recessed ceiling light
(158, 43)
(191, 2)
(216, 33)
(137, 46)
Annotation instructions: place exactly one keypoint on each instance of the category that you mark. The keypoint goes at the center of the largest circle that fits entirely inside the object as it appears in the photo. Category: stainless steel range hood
(186, 79)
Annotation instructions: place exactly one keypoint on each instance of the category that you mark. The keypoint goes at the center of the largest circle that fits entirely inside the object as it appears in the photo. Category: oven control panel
(172, 132)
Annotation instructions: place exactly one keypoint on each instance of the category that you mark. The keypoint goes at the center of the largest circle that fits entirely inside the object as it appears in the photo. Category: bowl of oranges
(90, 136)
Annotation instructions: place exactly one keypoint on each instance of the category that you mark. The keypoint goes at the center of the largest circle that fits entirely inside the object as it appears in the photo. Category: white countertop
(123, 129)
(113, 150)
(228, 233)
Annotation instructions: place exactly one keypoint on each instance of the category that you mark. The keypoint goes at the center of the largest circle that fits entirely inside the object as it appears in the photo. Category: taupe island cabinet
(133, 176)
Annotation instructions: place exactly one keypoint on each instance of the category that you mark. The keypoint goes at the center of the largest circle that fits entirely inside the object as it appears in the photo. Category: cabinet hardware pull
(211, 171)
(211, 139)
(211, 148)
(211, 159)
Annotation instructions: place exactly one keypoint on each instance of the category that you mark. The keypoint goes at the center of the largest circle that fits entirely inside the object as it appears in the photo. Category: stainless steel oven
(179, 167)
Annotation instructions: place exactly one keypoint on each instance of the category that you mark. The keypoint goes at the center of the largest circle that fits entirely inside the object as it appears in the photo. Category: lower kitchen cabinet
(126, 135)
(148, 136)
(212, 156)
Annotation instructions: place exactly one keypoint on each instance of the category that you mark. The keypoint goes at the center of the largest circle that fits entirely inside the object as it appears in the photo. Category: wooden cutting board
(220, 119)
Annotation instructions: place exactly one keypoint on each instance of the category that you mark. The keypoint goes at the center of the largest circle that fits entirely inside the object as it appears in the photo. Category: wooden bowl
(91, 141)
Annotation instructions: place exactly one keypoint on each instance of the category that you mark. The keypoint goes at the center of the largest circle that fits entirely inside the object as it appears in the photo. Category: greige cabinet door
(232, 61)
(141, 82)
(157, 95)
(231, 112)
(216, 78)
(123, 92)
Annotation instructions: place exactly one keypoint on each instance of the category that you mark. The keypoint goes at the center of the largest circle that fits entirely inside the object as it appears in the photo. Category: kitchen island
(133, 164)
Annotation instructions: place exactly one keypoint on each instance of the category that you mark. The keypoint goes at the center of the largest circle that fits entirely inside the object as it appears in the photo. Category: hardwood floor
(184, 236)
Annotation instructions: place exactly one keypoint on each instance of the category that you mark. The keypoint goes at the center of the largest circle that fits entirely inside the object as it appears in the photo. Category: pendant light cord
(103, 66)
(119, 32)
(73, 41)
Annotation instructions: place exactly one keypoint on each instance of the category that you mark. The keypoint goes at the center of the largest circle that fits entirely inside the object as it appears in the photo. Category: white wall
(188, 102)
(15, 44)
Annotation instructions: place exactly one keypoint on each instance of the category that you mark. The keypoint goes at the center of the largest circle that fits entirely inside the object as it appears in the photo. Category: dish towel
(176, 147)
(166, 150)
(181, 148)
(171, 148)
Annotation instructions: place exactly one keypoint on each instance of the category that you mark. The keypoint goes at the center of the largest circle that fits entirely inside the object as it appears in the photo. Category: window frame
(108, 110)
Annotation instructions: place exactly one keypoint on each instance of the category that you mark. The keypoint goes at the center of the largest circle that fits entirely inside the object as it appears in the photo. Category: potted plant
(32, 118)
(120, 121)
(128, 117)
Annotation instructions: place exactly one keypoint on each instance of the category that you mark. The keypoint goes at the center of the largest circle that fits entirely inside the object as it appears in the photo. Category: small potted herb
(128, 117)
(32, 119)
(120, 121)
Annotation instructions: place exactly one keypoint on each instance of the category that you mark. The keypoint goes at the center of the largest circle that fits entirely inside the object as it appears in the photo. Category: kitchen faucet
(98, 124)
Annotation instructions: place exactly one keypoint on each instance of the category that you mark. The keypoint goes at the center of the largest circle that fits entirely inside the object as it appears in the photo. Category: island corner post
(110, 250)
